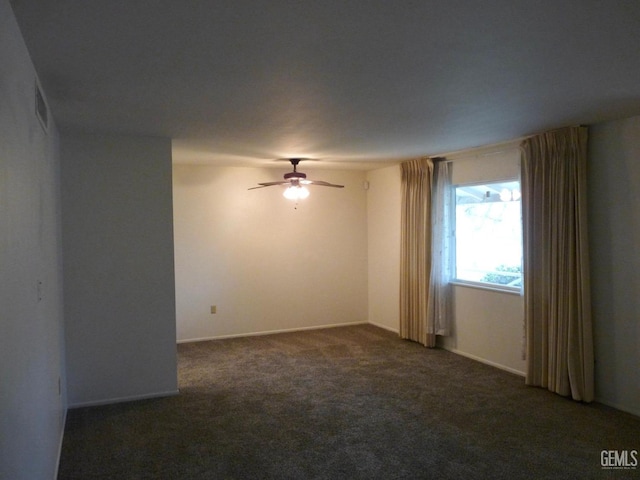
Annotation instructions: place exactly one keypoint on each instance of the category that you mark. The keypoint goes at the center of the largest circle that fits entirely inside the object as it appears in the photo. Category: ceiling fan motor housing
(294, 175)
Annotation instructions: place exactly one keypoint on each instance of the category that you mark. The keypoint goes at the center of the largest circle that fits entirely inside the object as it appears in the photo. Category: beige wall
(383, 224)
(614, 236)
(32, 381)
(488, 326)
(119, 288)
(264, 264)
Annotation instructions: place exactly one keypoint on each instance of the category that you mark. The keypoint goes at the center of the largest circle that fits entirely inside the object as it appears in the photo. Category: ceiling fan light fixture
(295, 182)
(296, 192)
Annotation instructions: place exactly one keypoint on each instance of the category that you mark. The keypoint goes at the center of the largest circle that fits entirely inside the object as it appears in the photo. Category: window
(488, 234)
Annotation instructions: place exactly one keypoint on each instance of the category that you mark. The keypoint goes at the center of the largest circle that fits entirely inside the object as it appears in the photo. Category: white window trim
(492, 287)
(470, 283)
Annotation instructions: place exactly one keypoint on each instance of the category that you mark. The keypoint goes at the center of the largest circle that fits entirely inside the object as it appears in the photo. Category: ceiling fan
(297, 182)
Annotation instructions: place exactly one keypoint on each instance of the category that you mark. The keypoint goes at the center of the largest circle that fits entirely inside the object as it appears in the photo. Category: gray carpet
(343, 403)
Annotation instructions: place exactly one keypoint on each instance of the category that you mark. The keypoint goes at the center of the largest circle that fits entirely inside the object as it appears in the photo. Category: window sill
(484, 286)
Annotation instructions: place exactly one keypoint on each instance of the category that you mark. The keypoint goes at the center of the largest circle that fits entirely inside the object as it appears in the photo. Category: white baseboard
(132, 398)
(269, 332)
(623, 408)
(385, 327)
(486, 362)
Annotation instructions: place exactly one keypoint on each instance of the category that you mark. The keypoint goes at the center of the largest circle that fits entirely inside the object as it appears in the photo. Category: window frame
(454, 244)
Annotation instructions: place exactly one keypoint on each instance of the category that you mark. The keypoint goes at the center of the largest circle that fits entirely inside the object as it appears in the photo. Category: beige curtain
(558, 326)
(415, 251)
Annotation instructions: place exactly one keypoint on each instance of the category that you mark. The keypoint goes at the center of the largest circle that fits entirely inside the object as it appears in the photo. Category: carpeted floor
(343, 403)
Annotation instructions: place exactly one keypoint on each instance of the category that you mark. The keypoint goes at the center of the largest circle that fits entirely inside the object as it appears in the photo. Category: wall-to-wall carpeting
(343, 403)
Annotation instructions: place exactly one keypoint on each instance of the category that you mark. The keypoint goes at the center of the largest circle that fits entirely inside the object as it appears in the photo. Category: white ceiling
(240, 82)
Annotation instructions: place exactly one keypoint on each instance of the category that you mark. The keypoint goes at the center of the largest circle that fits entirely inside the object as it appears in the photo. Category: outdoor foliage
(504, 279)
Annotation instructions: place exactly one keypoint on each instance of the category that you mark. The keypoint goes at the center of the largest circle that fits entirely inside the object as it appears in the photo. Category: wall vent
(41, 110)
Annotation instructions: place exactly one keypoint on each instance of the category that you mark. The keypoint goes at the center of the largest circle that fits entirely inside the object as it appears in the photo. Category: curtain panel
(559, 338)
(415, 250)
(424, 249)
(440, 295)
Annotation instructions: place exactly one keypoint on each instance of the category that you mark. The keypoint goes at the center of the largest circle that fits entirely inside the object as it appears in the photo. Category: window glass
(488, 234)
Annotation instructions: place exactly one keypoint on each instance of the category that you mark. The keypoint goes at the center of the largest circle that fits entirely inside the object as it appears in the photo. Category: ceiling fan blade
(269, 184)
(321, 183)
